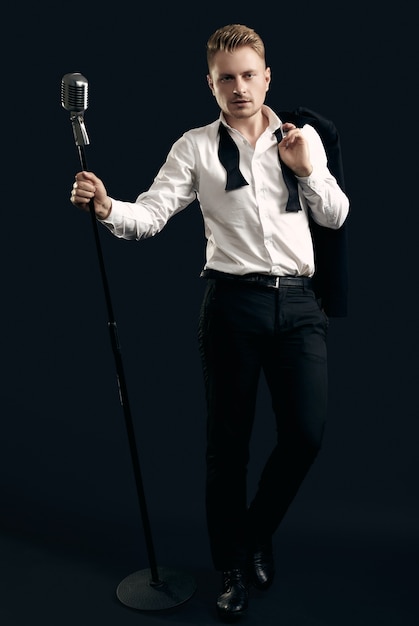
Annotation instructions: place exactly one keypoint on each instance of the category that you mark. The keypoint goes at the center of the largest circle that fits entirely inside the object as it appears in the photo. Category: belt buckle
(276, 283)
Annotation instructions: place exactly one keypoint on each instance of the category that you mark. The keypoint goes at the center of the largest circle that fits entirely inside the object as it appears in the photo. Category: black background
(71, 530)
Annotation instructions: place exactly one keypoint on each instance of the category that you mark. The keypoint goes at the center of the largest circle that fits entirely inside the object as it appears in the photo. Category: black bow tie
(229, 156)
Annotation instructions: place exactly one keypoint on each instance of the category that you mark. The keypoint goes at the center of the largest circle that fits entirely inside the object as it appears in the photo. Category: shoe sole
(230, 618)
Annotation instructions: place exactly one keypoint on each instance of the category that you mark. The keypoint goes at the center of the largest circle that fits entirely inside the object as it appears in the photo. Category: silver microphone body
(74, 92)
(75, 98)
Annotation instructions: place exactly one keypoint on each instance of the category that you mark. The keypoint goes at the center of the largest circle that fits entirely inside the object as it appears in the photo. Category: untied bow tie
(229, 156)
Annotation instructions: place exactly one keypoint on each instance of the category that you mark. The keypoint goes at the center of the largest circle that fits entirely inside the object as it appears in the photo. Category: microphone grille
(74, 92)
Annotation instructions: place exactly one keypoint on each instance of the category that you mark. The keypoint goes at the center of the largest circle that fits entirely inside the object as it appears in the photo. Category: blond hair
(230, 38)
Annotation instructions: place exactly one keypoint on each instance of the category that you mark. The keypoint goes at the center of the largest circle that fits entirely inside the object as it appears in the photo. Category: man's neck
(250, 127)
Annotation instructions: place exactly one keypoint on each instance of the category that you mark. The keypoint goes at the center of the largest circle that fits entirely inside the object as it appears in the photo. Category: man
(259, 313)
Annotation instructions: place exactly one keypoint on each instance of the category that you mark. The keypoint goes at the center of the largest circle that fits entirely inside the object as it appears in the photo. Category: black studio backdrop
(65, 470)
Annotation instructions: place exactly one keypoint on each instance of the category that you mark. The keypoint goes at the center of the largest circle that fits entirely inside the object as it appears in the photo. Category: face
(239, 81)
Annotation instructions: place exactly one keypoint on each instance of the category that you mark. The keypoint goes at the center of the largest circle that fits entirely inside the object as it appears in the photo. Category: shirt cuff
(312, 183)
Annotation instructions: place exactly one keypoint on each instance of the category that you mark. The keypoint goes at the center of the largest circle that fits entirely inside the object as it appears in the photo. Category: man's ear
(210, 83)
(268, 77)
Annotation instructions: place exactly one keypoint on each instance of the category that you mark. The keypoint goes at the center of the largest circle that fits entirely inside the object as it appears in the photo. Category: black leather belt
(265, 280)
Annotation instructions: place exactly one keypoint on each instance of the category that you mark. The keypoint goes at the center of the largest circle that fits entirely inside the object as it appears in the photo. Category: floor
(324, 579)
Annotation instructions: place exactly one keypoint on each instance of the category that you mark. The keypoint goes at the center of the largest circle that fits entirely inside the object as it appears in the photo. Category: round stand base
(139, 591)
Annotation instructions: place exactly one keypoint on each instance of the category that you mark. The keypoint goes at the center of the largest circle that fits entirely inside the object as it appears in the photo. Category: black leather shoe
(233, 600)
(262, 566)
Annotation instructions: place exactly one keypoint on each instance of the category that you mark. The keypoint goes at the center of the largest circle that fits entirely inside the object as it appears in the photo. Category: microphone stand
(156, 588)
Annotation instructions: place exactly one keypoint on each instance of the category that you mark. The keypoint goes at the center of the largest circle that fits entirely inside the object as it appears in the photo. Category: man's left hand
(294, 150)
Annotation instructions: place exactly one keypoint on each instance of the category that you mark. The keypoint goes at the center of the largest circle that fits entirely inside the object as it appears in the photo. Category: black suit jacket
(330, 246)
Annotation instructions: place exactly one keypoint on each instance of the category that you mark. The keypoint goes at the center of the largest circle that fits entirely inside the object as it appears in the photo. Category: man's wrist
(304, 172)
(105, 210)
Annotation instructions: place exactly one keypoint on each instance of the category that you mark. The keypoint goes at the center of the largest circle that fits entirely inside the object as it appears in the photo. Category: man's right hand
(89, 187)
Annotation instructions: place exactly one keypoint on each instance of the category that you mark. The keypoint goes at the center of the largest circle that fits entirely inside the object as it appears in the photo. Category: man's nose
(239, 87)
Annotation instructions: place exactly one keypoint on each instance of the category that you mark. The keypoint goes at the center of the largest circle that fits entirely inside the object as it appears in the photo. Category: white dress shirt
(247, 229)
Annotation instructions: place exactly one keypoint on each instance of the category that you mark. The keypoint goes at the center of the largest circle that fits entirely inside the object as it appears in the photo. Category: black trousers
(244, 329)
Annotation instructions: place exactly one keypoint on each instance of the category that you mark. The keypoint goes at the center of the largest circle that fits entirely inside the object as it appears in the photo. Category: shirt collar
(273, 120)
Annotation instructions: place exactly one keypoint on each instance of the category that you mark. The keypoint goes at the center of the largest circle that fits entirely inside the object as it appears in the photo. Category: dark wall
(64, 459)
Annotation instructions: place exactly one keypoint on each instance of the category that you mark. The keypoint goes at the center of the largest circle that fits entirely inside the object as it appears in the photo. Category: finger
(293, 136)
(85, 176)
(84, 188)
(81, 195)
(287, 126)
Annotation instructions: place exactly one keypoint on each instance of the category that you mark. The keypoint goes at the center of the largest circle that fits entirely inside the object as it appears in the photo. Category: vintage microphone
(156, 588)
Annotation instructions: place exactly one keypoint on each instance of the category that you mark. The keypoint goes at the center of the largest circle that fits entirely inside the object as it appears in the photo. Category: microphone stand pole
(156, 588)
